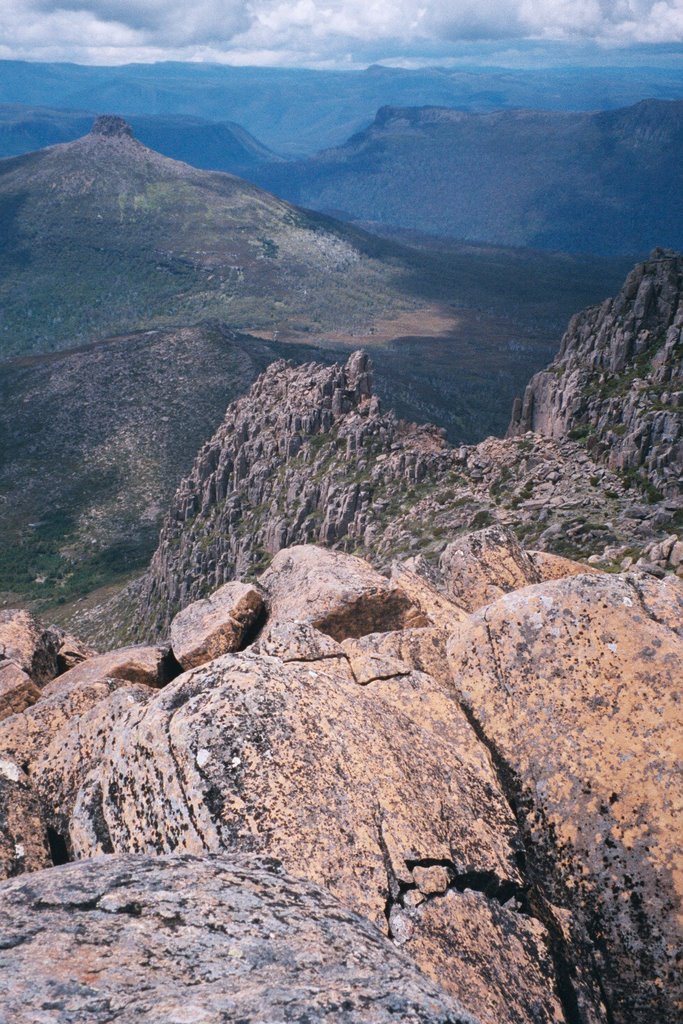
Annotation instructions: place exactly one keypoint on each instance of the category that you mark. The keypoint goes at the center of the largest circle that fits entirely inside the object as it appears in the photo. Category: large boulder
(23, 837)
(199, 940)
(49, 749)
(151, 666)
(359, 788)
(575, 686)
(479, 567)
(17, 690)
(217, 625)
(29, 645)
(338, 594)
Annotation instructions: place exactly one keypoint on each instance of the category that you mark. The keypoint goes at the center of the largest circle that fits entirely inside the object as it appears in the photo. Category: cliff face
(308, 456)
(617, 381)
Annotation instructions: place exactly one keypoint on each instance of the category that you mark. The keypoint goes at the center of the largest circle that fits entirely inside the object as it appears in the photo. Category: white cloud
(315, 31)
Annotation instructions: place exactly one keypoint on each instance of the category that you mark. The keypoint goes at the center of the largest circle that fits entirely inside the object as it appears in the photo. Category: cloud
(316, 31)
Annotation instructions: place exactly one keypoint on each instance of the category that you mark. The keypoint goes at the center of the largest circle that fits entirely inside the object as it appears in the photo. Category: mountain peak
(111, 126)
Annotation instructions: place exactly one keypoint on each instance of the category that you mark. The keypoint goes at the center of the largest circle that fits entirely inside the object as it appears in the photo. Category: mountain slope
(617, 381)
(104, 235)
(605, 183)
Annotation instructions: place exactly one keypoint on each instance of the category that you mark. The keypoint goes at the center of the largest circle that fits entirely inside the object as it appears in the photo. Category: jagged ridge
(308, 456)
(617, 381)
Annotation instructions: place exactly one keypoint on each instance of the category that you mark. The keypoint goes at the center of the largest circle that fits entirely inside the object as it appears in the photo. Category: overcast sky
(319, 32)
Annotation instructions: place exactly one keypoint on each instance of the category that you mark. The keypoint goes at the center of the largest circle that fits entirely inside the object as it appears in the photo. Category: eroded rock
(575, 685)
(479, 567)
(17, 690)
(216, 625)
(348, 785)
(29, 645)
(150, 666)
(336, 593)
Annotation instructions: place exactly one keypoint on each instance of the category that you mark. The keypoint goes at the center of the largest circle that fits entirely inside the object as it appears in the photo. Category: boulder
(575, 687)
(57, 742)
(479, 567)
(412, 577)
(29, 645)
(150, 666)
(296, 641)
(556, 567)
(17, 690)
(424, 650)
(23, 836)
(217, 625)
(336, 593)
(354, 787)
(199, 940)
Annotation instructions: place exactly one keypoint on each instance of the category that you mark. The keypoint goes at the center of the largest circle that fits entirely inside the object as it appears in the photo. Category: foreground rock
(48, 752)
(358, 788)
(187, 939)
(217, 625)
(575, 686)
(151, 666)
(29, 646)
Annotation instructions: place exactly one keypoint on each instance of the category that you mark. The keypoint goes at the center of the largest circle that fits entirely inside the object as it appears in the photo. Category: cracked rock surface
(575, 686)
(199, 940)
(350, 786)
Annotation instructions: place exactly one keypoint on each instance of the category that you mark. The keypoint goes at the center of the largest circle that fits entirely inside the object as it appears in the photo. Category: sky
(328, 33)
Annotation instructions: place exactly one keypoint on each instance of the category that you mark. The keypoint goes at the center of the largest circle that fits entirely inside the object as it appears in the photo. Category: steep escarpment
(617, 381)
(308, 456)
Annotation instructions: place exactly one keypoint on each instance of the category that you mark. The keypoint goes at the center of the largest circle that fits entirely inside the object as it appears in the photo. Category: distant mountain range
(608, 182)
(300, 111)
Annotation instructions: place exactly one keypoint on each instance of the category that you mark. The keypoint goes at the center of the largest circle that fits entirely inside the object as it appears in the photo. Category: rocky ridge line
(617, 381)
(308, 456)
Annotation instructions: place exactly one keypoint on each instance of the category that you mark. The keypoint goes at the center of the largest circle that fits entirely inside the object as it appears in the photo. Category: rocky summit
(388, 731)
(617, 381)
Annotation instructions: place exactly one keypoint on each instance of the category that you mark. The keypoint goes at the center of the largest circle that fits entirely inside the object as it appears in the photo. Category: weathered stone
(338, 594)
(72, 652)
(369, 664)
(349, 786)
(296, 641)
(410, 576)
(575, 685)
(511, 951)
(479, 567)
(423, 650)
(618, 378)
(17, 691)
(25, 642)
(23, 838)
(199, 940)
(148, 665)
(216, 625)
(555, 567)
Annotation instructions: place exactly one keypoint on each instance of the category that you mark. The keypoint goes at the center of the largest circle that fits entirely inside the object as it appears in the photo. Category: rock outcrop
(617, 381)
(575, 686)
(185, 939)
(307, 456)
(217, 625)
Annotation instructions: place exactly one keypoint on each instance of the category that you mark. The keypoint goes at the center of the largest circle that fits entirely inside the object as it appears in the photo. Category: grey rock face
(617, 381)
(184, 940)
